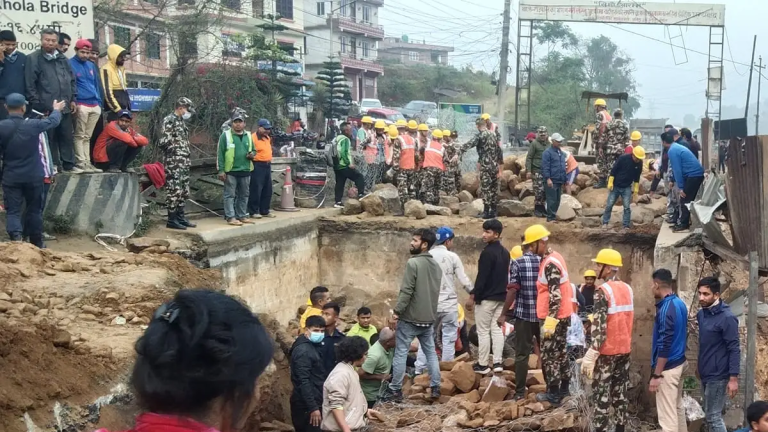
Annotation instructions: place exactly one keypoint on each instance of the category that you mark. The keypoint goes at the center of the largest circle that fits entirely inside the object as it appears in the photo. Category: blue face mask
(316, 337)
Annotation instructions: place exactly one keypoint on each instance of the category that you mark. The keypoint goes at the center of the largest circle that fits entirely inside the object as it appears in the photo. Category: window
(288, 48)
(122, 36)
(343, 44)
(232, 48)
(186, 2)
(436, 58)
(187, 46)
(154, 2)
(152, 43)
(353, 46)
(284, 8)
(366, 52)
(320, 8)
(257, 7)
(413, 56)
(366, 14)
(347, 8)
(232, 4)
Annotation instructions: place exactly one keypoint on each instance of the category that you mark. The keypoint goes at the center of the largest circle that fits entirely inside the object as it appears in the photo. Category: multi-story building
(406, 52)
(349, 31)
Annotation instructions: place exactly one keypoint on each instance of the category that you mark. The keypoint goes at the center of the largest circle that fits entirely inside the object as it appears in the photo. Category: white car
(367, 104)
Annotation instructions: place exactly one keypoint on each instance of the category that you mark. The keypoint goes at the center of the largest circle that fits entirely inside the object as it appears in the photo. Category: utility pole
(759, 81)
(749, 379)
(751, 68)
(504, 68)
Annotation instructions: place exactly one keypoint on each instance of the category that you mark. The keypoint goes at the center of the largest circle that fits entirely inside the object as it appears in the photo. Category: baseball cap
(239, 115)
(83, 43)
(542, 129)
(15, 100)
(557, 137)
(124, 113)
(444, 234)
(264, 123)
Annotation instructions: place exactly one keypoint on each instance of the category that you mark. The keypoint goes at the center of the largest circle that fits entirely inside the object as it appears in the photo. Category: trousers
(260, 189)
(611, 382)
(85, 122)
(236, 196)
(447, 329)
(669, 400)
(16, 196)
(344, 174)
(554, 355)
(489, 335)
(404, 335)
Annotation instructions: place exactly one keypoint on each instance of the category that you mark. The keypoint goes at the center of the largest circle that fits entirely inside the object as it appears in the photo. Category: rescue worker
(452, 174)
(174, 143)
(491, 160)
(588, 289)
(403, 163)
(554, 306)
(381, 143)
(600, 140)
(366, 139)
(433, 168)
(533, 170)
(492, 127)
(420, 134)
(635, 139)
(516, 252)
(618, 137)
(607, 360)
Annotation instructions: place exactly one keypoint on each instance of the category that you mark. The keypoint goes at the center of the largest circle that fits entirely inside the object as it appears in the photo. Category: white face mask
(187, 115)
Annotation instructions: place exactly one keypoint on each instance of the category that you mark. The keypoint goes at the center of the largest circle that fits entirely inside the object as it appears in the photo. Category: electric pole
(504, 68)
(751, 68)
(759, 81)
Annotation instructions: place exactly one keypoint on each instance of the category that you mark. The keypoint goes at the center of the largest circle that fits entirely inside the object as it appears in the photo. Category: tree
(332, 93)
(402, 83)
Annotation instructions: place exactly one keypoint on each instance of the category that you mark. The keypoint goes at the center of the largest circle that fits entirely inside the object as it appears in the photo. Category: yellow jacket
(114, 81)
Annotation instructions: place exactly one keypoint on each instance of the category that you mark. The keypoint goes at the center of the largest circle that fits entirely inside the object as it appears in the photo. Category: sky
(671, 81)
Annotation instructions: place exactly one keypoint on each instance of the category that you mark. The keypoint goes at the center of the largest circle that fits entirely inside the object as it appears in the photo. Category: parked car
(367, 104)
(419, 109)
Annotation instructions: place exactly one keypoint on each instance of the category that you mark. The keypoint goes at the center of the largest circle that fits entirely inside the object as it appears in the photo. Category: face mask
(187, 115)
(316, 337)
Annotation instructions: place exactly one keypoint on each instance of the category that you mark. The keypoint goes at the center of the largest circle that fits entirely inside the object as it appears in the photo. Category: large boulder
(415, 209)
(570, 201)
(352, 207)
(575, 189)
(512, 183)
(592, 212)
(390, 200)
(463, 376)
(465, 196)
(524, 189)
(470, 182)
(447, 200)
(506, 195)
(478, 204)
(467, 209)
(645, 186)
(593, 198)
(506, 176)
(565, 213)
(582, 180)
(511, 164)
(437, 210)
(514, 208)
(657, 206)
(529, 202)
(373, 203)
(642, 215)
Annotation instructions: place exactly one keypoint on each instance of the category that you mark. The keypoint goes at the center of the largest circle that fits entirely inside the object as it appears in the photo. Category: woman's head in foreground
(201, 357)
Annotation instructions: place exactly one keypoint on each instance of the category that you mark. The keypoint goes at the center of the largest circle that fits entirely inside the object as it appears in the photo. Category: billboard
(623, 12)
(473, 109)
(143, 99)
(27, 18)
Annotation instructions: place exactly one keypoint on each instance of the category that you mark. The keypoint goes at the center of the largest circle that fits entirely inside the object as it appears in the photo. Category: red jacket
(149, 422)
(113, 132)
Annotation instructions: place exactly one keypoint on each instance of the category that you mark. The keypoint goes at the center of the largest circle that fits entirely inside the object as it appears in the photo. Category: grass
(58, 224)
(146, 223)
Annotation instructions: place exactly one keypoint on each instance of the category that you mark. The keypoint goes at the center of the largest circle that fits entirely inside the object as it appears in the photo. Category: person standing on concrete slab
(624, 182)
(118, 145)
(174, 143)
(689, 175)
(260, 198)
(415, 314)
(554, 174)
(607, 360)
(668, 363)
(88, 103)
(719, 352)
(488, 295)
(23, 174)
(533, 170)
(12, 63)
(307, 376)
(344, 167)
(114, 82)
(377, 367)
(235, 165)
(554, 306)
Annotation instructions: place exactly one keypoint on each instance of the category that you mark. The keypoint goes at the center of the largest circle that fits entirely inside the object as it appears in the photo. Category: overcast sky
(670, 84)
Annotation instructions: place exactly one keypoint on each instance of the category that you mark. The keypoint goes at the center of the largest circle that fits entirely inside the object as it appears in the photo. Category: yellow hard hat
(636, 136)
(590, 273)
(437, 133)
(423, 127)
(412, 125)
(516, 252)
(485, 116)
(535, 233)
(401, 123)
(366, 119)
(639, 152)
(393, 133)
(380, 125)
(608, 257)
(446, 133)
(599, 102)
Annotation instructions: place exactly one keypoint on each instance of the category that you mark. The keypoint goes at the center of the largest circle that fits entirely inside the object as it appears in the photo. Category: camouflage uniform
(554, 353)
(418, 188)
(490, 158)
(176, 158)
(611, 376)
(600, 138)
(405, 178)
(452, 174)
(431, 178)
(618, 137)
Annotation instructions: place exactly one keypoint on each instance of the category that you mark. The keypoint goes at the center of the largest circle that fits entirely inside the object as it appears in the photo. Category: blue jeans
(714, 402)
(448, 322)
(15, 197)
(236, 197)
(404, 335)
(626, 197)
(260, 199)
(553, 195)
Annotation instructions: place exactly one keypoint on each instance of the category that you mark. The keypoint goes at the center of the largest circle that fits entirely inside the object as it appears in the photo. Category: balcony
(357, 26)
(353, 61)
(375, 2)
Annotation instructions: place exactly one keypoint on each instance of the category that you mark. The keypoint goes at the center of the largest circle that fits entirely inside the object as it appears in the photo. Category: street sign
(27, 18)
(471, 109)
(143, 99)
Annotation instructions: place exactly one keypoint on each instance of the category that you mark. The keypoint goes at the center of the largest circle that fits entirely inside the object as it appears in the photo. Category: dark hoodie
(114, 81)
(719, 350)
(307, 374)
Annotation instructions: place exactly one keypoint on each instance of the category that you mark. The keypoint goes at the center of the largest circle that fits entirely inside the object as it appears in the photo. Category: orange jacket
(566, 289)
(113, 132)
(433, 155)
(407, 153)
(621, 313)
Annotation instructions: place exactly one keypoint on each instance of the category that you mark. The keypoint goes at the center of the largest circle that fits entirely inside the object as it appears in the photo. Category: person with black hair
(416, 312)
(693, 144)
(318, 297)
(688, 174)
(757, 417)
(719, 351)
(333, 336)
(198, 362)
(307, 376)
(344, 405)
(11, 69)
(488, 294)
(65, 41)
(363, 326)
(344, 166)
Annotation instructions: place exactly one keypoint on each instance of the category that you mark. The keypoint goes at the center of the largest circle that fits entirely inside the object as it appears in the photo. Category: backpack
(332, 152)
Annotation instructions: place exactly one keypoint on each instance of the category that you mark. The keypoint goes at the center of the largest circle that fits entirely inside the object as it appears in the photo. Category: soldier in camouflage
(600, 140)
(491, 159)
(452, 174)
(618, 138)
(433, 166)
(403, 165)
(533, 170)
(176, 158)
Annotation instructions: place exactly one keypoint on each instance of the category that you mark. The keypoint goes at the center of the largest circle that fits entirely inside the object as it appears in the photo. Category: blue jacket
(670, 332)
(20, 147)
(12, 74)
(553, 165)
(719, 350)
(87, 77)
(684, 164)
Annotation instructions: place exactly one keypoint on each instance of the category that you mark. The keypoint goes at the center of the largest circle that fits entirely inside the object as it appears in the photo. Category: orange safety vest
(604, 123)
(387, 150)
(407, 153)
(370, 150)
(566, 290)
(433, 155)
(621, 313)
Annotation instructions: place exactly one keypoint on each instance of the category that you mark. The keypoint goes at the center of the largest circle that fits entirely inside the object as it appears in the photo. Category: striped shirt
(524, 272)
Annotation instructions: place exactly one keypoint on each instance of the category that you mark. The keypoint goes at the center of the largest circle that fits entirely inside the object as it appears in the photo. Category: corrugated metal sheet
(745, 185)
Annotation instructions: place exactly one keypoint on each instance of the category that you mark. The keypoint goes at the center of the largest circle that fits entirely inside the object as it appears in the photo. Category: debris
(463, 376)
(352, 207)
(415, 209)
(473, 396)
(513, 208)
(138, 244)
(437, 210)
(372, 203)
(467, 209)
(118, 320)
(465, 197)
(62, 339)
(497, 390)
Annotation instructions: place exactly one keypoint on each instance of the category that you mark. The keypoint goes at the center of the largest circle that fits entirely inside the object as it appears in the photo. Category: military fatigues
(452, 173)
(176, 158)
(554, 352)
(618, 137)
(600, 138)
(490, 158)
(611, 375)
(418, 189)
(405, 179)
(431, 179)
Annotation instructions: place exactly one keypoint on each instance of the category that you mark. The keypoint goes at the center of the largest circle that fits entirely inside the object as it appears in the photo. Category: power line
(728, 41)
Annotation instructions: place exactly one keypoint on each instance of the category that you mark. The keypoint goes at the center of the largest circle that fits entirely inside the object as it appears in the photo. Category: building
(406, 52)
(348, 30)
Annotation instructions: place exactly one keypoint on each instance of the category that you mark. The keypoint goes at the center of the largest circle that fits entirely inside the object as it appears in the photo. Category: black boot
(492, 211)
(565, 388)
(539, 211)
(182, 218)
(485, 211)
(619, 428)
(173, 221)
(552, 396)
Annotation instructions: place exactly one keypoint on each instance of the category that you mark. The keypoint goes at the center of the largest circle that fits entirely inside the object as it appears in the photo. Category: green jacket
(233, 151)
(420, 289)
(343, 144)
(535, 152)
